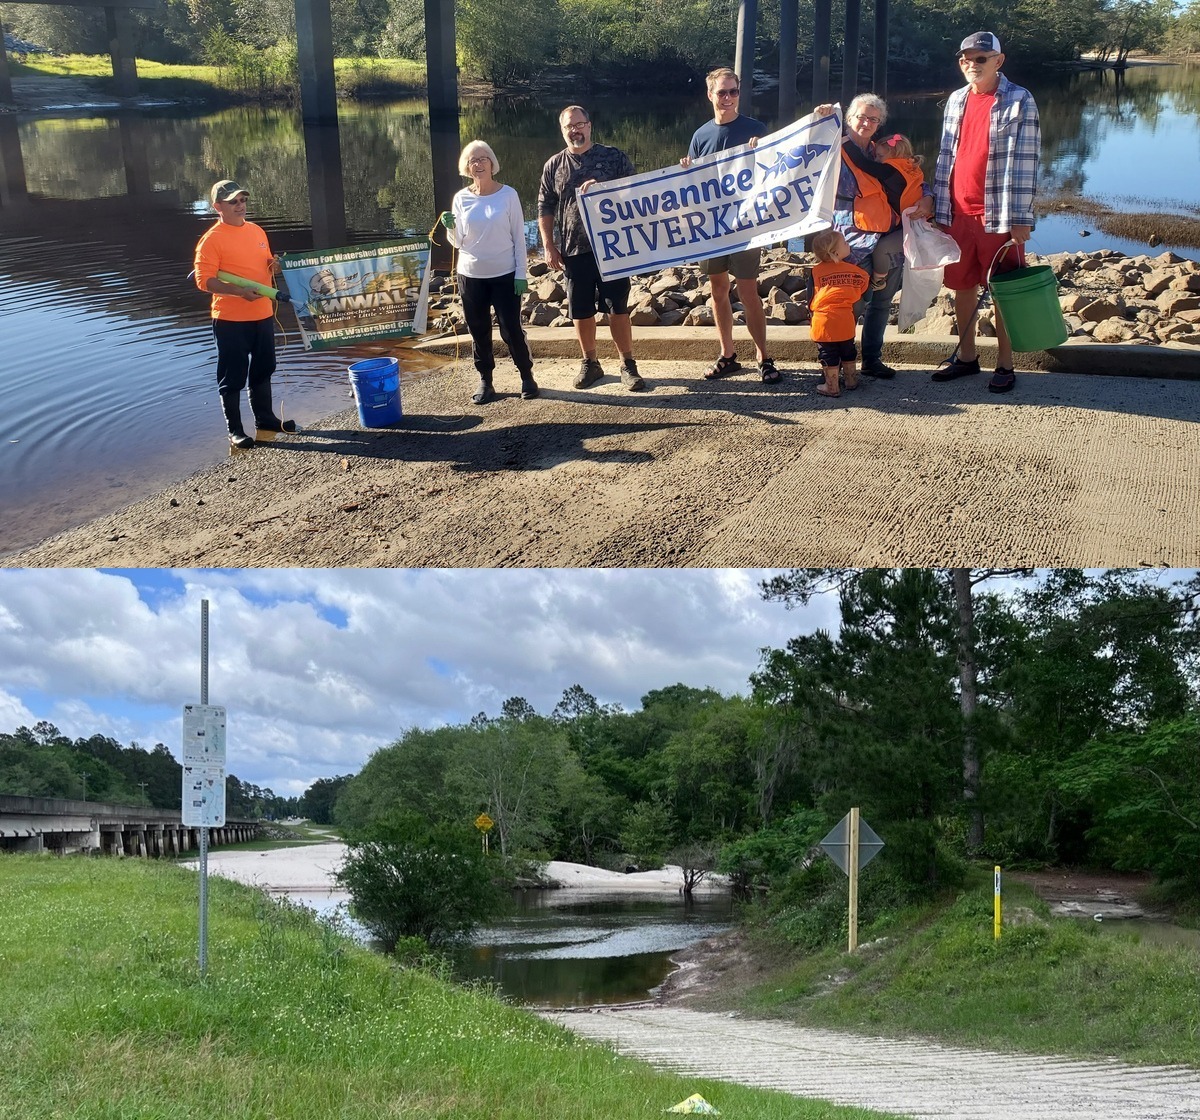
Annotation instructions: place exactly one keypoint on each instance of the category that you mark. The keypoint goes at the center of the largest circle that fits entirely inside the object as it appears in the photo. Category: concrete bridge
(50, 824)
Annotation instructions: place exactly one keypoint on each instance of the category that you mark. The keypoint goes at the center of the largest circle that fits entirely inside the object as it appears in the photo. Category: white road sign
(203, 735)
(203, 796)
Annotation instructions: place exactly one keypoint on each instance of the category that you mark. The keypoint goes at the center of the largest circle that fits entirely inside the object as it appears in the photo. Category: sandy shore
(311, 868)
(1066, 470)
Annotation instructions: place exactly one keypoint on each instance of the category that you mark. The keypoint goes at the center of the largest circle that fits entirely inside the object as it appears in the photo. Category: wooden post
(743, 63)
(879, 76)
(850, 51)
(441, 69)
(6, 93)
(852, 860)
(822, 33)
(314, 58)
(787, 60)
(119, 25)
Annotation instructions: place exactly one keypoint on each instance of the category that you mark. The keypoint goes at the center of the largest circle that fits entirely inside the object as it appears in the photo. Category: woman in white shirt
(488, 230)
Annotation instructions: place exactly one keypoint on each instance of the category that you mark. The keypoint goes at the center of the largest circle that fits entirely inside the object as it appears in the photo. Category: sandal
(723, 367)
(767, 371)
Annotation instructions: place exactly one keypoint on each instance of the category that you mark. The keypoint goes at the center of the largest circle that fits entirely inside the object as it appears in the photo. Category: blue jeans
(875, 308)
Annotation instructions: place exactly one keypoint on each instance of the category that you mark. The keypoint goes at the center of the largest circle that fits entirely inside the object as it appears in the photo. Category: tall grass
(1049, 985)
(103, 1016)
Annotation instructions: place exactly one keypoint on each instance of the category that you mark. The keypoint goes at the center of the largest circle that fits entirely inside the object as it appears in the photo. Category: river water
(105, 348)
(575, 947)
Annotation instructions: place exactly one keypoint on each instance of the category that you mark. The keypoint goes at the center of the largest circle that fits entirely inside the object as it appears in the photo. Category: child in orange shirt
(837, 285)
(896, 151)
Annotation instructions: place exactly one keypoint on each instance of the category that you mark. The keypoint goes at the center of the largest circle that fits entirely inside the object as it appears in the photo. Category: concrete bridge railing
(37, 824)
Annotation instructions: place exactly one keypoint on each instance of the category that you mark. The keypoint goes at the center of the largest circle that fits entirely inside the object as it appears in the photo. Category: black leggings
(479, 296)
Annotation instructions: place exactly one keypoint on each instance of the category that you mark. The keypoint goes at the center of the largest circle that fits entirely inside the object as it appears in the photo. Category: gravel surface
(1067, 470)
(907, 1077)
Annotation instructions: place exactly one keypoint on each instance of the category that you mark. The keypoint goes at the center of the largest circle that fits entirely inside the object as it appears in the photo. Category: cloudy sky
(319, 668)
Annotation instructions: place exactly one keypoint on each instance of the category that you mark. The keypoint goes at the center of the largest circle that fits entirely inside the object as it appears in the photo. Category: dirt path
(1068, 470)
(911, 1078)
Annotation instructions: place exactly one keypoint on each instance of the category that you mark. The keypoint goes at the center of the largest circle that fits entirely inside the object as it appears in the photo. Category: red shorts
(978, 248)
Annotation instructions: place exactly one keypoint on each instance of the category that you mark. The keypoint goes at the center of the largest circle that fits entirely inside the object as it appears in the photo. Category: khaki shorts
(743, 265)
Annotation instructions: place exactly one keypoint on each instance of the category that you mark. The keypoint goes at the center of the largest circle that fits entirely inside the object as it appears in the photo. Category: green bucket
(1027, 298)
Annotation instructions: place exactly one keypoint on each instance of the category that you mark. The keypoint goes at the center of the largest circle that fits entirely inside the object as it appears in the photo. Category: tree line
(42, 762)
(973, 715)
(661, 43)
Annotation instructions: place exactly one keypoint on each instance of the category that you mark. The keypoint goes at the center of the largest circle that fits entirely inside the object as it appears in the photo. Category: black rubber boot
(485, 392)
(264, 415)
(231, 406)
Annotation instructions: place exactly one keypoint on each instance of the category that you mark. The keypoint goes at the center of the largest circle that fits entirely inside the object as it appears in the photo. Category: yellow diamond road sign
(484, 823)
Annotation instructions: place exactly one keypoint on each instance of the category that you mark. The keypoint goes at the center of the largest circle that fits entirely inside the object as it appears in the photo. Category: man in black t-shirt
(572, 170)
(728, 129)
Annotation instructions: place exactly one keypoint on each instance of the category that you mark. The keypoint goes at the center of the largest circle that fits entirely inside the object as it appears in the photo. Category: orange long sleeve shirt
(243, 251)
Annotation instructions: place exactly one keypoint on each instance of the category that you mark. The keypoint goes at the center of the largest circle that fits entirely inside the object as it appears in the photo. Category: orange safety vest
(914, 182)
(877, 204)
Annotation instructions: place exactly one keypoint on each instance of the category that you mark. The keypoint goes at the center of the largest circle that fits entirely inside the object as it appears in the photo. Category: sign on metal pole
(485, 824)
(852, 844)
(203, 766)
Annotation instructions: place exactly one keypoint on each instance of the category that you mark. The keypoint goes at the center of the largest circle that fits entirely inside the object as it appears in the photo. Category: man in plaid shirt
(983, 192)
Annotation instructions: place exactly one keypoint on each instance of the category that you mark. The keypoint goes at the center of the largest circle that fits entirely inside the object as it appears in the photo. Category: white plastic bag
(926, 246)
(919, 289)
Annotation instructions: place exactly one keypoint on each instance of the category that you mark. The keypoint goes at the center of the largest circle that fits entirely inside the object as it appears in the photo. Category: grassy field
(1049, 985)
(354, 76)
(105, 1018)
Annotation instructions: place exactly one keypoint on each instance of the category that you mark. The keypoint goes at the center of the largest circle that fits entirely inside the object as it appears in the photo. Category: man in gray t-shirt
(565, 175)
(728, 129)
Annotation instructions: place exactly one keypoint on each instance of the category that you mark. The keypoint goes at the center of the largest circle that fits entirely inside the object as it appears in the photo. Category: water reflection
(109, 391)
(561, 949)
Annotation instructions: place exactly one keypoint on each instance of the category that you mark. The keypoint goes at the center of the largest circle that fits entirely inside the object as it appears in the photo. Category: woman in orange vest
(867, 207)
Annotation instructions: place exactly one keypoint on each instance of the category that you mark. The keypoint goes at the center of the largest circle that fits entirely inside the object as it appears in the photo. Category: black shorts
(587, 291)
(831, 354)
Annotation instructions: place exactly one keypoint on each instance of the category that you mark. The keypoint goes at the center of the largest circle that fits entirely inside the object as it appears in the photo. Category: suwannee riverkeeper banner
(741, 198)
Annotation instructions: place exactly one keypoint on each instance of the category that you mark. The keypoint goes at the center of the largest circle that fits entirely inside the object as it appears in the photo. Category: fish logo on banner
(741, 198)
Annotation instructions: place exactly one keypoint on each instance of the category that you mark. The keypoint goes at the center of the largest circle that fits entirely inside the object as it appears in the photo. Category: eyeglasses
(980, 60)
(868, 120)
(727, 93)
(478, 159)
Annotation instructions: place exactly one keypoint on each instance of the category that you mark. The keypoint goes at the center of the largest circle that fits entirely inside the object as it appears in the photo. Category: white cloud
(318, 668)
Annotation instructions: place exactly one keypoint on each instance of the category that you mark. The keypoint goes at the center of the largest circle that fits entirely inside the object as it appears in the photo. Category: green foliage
(646, 834)
(507, 40)
(409, 879)
(772, 853)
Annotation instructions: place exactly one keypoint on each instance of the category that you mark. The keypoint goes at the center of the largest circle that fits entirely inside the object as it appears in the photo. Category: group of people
(982, 195)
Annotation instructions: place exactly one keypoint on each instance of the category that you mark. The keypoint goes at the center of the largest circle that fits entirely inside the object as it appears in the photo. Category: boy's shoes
(956, 368)
(878, 282)
(589, 373)
(630, 377)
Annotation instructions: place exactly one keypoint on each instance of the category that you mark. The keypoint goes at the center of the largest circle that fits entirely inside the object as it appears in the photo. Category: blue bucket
(376, 385)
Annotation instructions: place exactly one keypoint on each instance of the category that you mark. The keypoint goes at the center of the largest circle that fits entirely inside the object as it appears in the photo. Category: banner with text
(742, 198)
(360, 293)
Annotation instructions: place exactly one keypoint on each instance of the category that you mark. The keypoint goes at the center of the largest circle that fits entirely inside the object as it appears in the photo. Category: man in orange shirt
(242, 319)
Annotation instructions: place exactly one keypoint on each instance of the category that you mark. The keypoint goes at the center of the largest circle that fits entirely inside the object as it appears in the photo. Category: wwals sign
(741, 198)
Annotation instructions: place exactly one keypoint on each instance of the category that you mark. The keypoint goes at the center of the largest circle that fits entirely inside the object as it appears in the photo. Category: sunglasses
(979, 60)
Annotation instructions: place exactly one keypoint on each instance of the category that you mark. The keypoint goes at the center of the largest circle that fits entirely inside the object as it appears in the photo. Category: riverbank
(312, 868)
(109, 1016)
(697, 473)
